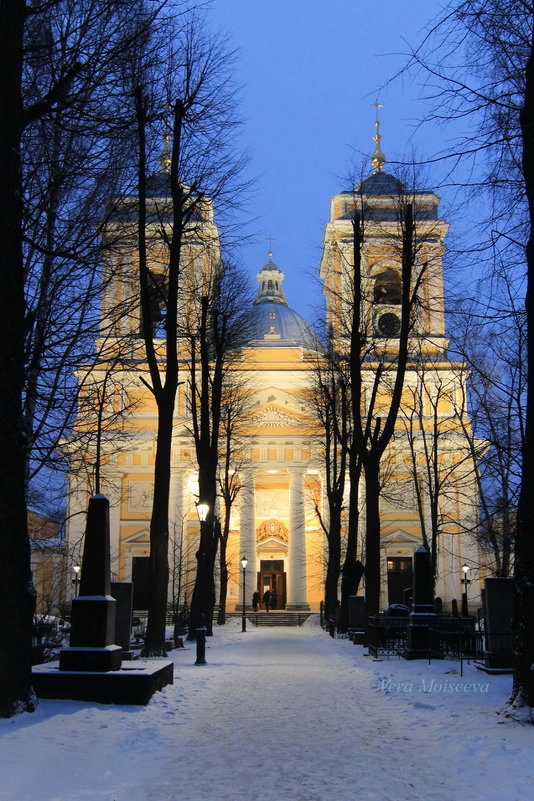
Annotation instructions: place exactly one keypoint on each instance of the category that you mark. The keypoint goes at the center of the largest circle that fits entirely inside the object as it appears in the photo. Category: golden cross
(377, 105)
(270, 239)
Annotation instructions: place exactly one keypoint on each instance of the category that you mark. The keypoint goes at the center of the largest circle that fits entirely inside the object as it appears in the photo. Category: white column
(325, 512)
(384, 601)
(296, 579)
(247, 529)
(113, 493)
(176, 505)
(176, 532)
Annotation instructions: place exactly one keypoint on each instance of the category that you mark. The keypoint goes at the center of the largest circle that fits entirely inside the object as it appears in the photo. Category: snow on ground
(287, 714)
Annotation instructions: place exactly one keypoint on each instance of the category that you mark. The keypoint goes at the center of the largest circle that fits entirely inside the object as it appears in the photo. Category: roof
(273, 323)
(381, 183)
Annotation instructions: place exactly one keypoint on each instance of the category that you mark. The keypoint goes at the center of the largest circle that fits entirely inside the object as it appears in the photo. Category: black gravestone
(422, 616)
(122, 591)
(357, 619)
(498, 612)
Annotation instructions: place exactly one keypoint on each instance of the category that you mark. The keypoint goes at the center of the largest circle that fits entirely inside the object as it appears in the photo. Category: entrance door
(140, 579)
(399, 579)
(272, 577)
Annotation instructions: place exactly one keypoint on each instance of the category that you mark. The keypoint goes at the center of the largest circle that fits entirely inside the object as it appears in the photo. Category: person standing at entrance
(267, 599)
(255, 601)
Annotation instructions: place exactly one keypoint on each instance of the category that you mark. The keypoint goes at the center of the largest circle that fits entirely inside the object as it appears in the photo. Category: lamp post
(244, 563)
(200, 631)
(466, 570)
(76, 569)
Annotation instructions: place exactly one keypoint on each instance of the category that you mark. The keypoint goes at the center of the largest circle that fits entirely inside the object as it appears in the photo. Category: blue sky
(310, 71)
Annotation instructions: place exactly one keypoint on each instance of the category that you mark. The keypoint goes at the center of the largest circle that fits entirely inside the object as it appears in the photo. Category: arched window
(388, 287)
(269, 284)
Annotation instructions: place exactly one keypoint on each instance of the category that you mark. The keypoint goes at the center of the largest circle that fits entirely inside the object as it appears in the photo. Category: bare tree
(329, 400)
(59, 63)
(372, 431)
(443, 453)
(234, 405)
(175, 227)
(215, 335)
(494, 88)
(491, 341)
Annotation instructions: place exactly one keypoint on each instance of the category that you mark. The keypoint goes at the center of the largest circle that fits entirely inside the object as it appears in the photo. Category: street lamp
(76, 569)
(244, 563)
(200, 630)
(466, 570)
(202, 511)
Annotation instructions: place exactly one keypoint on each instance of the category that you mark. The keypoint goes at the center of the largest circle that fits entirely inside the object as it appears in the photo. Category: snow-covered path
(293, 721)
(285, 714)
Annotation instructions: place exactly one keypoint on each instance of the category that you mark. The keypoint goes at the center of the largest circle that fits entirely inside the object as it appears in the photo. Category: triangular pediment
(141, 536)
(399, 536)
(275, 408)
(272, 545)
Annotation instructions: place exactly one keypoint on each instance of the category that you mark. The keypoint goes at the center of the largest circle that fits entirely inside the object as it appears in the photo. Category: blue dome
(275, 324)
(381, 183)
(270, 321)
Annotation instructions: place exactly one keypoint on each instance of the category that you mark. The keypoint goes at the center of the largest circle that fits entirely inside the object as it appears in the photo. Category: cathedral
(275, 519)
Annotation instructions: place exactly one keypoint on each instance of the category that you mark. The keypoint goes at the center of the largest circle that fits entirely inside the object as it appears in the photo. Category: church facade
(275, 518)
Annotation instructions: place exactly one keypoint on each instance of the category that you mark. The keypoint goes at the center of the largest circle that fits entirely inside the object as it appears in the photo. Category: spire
(377, 159)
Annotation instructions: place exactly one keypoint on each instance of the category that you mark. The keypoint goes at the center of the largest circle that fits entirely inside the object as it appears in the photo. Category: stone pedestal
(135, 684)
(84, 659)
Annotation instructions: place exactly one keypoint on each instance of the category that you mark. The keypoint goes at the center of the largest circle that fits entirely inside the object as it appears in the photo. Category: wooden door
(272, 578)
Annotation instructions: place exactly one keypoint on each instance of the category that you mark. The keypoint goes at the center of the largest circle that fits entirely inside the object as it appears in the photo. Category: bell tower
(380, 201)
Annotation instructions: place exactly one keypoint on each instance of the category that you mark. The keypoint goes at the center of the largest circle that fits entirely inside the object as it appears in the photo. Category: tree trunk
(223, 586)
(372, 536)
(333, 568)
(352, 571)
(159, 534)
(203, 598)
(223, 569)
(17, 596)
(523, 689)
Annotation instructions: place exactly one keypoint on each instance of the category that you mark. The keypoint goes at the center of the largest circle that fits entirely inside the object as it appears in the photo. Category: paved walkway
(282, 714)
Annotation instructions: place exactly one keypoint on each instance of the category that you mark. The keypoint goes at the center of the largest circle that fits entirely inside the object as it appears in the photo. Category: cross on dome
(377, 159)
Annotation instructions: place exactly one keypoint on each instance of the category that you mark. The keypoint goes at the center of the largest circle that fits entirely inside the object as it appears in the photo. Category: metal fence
(449, 638)
(386, 635)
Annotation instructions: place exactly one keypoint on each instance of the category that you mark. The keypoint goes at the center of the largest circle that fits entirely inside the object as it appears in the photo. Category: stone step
(274, 618)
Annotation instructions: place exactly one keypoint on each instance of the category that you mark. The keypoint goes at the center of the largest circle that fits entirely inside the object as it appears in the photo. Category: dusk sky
(310, 72)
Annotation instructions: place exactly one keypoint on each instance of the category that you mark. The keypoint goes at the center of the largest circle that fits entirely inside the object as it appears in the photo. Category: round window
(389, 324)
